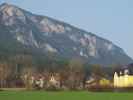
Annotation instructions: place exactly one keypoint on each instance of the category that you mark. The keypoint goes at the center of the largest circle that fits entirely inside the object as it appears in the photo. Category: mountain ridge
(46, 34)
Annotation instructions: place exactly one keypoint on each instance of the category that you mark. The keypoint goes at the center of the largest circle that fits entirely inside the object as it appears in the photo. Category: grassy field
(42, 95)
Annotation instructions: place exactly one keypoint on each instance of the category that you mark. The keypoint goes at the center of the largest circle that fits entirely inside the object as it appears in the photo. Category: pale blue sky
(111, 19)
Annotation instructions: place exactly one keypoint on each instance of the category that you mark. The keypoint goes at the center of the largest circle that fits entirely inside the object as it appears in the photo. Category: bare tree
(97, 73)
(4, 73)
(76, 73)
(26, 75)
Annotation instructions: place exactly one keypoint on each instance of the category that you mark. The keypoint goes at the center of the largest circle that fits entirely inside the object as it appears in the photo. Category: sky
(110, 19)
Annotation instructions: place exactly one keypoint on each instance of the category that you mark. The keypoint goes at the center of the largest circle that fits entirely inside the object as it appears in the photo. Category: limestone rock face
(45, 34)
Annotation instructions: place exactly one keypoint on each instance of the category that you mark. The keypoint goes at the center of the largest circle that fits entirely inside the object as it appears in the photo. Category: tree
(63, 71)
(4, 73)
(26, 76)
(76, 73)
(97, 73)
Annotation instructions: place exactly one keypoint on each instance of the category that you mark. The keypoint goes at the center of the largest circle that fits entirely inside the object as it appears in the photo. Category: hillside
(22, 32)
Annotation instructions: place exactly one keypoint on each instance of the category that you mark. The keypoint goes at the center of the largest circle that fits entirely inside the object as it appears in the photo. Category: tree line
(71, 74)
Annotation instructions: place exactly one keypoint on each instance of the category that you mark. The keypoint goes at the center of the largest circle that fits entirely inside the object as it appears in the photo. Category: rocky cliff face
(45, 34)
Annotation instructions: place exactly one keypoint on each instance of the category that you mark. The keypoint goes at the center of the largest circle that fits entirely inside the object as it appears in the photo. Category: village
(54, 82)
(70, 77)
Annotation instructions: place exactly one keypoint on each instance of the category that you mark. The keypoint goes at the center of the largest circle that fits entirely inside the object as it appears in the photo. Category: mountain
(24, 32)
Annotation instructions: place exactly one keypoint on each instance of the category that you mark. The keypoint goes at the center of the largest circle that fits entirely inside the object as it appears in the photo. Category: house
(123, 79)
(54, 82)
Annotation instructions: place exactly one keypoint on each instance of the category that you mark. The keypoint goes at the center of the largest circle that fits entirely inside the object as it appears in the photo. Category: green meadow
(42, 95)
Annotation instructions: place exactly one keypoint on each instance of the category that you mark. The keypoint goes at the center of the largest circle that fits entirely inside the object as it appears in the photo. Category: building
(123, 79)
(53, 81)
